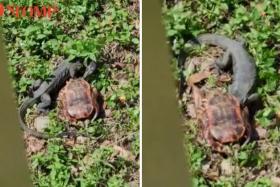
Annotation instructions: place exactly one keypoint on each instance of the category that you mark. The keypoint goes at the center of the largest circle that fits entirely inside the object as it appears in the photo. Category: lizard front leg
(221, 63)
(74, 68)
(35, 86)
(89, 69)
(241, 40)
(226, 60)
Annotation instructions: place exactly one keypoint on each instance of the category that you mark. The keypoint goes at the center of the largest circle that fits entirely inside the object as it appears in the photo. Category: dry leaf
(74, 171)
(69, 142)
(262, 133)
(34, 145)
(122, 100)
(87, 160)
(213, 174)
(133, 184)
(196, 94)
(191, 110)
(82, 140)
(205, 168)
(225, 78)
(278, 115)
(41, 123)
(227, 167)
(275, 181)
(189, 68)
(260, 7)
(197, 77)
(125, 154)
(137, 69)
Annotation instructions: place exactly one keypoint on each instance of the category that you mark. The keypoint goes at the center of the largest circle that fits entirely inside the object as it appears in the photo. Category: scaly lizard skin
(61, 75)
(243, 65)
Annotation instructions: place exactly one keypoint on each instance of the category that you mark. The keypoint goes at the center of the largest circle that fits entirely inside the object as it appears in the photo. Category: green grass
(256, 22)
(105, 31)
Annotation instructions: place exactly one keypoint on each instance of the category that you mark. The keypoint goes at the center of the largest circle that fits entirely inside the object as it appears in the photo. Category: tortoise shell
(222, 118)
(225, 120)
(77, 101)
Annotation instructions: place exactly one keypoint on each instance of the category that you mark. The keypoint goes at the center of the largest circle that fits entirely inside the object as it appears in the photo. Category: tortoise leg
(96, 108)
(95, 103)
(65, 116)
(217, 146)
(245, 115)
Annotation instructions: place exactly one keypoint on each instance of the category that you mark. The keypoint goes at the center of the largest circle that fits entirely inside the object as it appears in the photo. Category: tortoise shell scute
(224, 118)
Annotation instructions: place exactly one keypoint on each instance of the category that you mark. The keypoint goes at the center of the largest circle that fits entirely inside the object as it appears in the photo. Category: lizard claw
(253, 97)
(89, 70)
(35, 86)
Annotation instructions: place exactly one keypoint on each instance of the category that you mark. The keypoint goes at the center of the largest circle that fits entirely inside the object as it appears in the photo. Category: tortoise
(223, 120)
(77, 100)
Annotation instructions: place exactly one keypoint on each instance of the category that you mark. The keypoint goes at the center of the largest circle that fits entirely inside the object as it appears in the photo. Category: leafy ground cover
(106, 31)
(256, 164)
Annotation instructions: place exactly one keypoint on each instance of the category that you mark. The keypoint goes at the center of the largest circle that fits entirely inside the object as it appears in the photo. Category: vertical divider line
(164, 160)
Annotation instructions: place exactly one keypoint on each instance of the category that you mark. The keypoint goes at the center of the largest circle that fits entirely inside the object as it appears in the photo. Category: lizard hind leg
(45, 103)
(36, 84)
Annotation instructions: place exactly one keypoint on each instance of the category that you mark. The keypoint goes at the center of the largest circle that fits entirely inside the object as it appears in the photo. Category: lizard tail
(36, 133)
(215, 39)
(21, 116)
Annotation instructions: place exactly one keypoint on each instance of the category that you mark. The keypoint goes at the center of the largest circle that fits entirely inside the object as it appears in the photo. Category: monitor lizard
(243, 65)
(64, 72)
